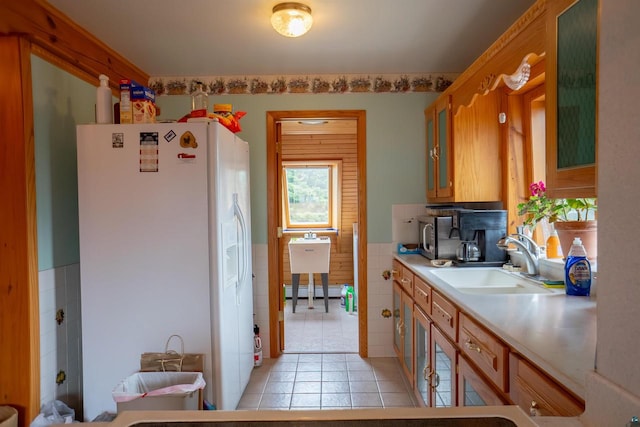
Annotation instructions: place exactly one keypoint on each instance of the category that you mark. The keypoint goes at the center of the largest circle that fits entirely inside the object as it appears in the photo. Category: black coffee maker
(481, 229)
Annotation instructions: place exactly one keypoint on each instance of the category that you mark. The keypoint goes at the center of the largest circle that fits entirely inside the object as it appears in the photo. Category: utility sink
(309, 255)
(486, 281)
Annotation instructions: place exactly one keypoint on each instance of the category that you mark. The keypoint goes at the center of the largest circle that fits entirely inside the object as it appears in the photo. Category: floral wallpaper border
(254, 85)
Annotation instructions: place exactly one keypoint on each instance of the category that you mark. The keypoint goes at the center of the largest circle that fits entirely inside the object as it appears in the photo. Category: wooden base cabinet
(537, 394)
(403, 334)
(473, 390)
(451, 359)
(422, 355)
(435, 378)
(443, 381)
(486, 352)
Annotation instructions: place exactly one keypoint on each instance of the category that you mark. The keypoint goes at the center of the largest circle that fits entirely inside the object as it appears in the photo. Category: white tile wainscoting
(60, 336)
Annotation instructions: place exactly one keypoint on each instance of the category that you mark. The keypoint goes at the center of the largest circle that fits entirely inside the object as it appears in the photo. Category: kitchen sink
(488, 281)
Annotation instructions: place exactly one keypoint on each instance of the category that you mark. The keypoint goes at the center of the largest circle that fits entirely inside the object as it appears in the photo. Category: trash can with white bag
(150, 391)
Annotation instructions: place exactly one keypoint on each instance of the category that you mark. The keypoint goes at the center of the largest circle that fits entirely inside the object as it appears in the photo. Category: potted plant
(570, 217)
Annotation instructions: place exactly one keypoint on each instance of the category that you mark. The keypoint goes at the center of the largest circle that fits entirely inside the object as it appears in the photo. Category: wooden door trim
(19, 322)
(273, 242)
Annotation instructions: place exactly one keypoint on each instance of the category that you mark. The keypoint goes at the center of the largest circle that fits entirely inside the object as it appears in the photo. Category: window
(310, 194)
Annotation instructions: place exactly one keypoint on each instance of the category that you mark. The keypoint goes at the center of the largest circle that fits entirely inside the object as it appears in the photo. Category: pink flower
(537, 188)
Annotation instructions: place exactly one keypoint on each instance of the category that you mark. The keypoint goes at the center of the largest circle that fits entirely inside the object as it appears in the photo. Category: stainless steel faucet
(527, 247)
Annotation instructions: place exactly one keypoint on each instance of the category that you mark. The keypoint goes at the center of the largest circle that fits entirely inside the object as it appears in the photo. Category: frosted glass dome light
(291, 19)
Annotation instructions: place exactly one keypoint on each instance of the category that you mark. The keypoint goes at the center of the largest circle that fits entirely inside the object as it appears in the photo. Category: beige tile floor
(321, 368)
(326, 381)
(312, 330)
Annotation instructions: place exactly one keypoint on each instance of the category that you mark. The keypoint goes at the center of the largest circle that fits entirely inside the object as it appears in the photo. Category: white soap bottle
(104, 108)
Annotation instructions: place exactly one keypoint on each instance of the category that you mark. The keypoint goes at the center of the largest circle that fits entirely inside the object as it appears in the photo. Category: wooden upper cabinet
(439, 151)
(430, 125)
(471, 166)
(478, 155)
(571, 87)
(464, 151)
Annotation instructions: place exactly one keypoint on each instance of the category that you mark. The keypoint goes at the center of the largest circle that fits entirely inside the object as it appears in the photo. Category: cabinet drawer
(445, 315)
(538, 394)
(422, 294)
(396, 271)
(488, 353)
(407, 280)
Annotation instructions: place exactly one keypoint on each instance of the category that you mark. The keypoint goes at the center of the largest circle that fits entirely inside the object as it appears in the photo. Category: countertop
(375, 417)
(555, 332)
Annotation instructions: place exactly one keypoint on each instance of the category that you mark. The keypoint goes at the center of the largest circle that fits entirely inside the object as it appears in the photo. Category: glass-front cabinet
(403, 329)
(474, 390)
(439, 153)
(443, 380)
(571, 85)
(422, 354)
(407, 307)
(397, 318)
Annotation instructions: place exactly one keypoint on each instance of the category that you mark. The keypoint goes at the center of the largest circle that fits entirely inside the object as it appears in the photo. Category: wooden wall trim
(363, 296)
(78, 51)
(275, 279)
(524, 39)
(19, 309)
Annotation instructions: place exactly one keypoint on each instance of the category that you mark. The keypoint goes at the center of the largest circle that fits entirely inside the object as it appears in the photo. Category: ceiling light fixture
(291, 19)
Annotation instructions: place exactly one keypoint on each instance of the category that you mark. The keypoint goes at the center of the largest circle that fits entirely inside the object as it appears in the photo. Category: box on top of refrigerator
(137, 103)
(143, 103)
(126, 115)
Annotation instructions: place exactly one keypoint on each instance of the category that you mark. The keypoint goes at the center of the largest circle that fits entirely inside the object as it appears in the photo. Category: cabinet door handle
(400, 328)
(436, 383)
(435, 152)
(534, 409)
(426, 373)
(472, 346)
(394, 273)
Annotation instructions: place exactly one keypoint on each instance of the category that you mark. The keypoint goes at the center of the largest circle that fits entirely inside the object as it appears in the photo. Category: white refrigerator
(165, 248)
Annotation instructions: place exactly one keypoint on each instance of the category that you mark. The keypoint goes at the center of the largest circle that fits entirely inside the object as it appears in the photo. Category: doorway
(340, 233)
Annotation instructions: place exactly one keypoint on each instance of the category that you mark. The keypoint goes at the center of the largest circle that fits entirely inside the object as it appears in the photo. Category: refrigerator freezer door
(232, 300)
(144, 251)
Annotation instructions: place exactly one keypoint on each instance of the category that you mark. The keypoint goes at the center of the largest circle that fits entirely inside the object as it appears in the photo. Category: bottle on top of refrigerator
(577, 270)
(200, 100)
(104, 109)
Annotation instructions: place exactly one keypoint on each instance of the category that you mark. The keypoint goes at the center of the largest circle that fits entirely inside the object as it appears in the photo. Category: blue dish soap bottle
(577, 270)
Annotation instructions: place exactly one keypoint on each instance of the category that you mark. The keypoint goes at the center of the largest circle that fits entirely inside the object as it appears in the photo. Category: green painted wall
(395, 152)
(395, 147)
(60, 101)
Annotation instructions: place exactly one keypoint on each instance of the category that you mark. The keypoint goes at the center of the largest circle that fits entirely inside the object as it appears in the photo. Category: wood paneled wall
(329, 147)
